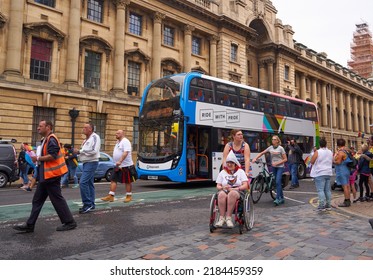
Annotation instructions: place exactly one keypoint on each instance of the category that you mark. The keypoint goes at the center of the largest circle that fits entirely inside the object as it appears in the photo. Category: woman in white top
(322, 161)
(278, 159)
(231, 183)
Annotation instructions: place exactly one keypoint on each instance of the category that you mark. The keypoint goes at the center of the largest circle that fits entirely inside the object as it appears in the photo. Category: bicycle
(264, 182)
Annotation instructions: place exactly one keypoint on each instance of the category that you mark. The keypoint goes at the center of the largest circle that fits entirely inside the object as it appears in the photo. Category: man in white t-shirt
(122, 156)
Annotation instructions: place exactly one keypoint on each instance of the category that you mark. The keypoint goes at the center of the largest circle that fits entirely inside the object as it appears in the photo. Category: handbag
(133, 172)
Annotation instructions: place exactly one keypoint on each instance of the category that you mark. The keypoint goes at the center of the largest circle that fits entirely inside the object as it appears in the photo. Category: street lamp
(73, 115)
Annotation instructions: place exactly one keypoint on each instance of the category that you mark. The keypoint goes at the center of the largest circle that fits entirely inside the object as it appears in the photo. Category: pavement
(361, 209)
(282, 233)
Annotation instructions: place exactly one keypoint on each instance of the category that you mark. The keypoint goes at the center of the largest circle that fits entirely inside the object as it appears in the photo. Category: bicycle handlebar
(260, 161)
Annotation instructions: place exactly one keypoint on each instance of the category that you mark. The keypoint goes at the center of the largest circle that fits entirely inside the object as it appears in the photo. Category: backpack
(352, 161)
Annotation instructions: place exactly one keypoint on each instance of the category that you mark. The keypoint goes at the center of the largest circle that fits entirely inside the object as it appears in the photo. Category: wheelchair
(243, 213)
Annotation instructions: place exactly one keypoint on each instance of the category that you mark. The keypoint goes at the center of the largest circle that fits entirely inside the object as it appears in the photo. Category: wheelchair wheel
(256, 189)
(214, 212)
(248, 212)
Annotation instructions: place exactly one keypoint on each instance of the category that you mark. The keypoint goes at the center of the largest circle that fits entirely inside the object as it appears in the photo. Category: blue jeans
(24, 175)
(293, 168)
(70, 174)
(87, 187)
(277, 171)
(323, 190)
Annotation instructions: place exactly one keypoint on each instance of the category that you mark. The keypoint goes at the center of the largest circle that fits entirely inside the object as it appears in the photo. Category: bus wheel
(302, 170)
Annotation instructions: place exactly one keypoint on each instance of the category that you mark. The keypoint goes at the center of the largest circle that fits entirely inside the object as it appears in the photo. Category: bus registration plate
(153, 177)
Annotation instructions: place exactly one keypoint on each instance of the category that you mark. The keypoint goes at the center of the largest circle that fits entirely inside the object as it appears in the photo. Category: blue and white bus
(172, 107)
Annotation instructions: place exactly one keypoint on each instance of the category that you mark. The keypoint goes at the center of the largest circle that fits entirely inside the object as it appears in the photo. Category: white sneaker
(221, 222)
(229, 222)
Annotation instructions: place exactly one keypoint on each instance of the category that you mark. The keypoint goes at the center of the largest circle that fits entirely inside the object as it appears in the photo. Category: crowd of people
(55, 165)
(321, 163)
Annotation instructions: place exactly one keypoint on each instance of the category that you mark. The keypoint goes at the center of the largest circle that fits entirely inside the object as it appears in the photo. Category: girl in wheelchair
(232, 182)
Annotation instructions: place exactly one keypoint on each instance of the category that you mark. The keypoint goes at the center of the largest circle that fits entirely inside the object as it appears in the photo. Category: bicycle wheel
(248, 212)
(256, 189)
(272, 187)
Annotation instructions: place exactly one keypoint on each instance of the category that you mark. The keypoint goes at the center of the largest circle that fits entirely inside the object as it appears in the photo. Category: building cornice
(204, 14)
(326, 72)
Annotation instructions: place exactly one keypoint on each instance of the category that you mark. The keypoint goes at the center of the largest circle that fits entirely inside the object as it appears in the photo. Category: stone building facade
(97, 56)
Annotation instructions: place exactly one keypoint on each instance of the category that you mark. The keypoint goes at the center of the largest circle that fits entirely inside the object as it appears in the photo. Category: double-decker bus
(175, 106)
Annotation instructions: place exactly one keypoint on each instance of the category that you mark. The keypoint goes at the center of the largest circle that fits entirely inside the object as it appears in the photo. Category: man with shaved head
(122, 156)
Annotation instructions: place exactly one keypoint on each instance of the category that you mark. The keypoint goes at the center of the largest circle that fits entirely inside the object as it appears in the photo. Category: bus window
(226, 95)
(267, 104)
(310, 112)
(253, 140)
(201, 90)
(296, 110)
(233, 100)
(282, 108)
(164, 89)
(253, 97)
(248, 99)
(201, 95)
(208, 97)
(192, 93)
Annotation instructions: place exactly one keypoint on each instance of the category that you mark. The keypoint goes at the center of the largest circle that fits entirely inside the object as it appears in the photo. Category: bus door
(203, 160)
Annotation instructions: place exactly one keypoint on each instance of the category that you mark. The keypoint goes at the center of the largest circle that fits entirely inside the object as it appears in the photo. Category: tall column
(354, 110)
(341, 110)
(303, 91)
(188, 29)
(367, 115)
(213, 55)
(157, 41)
(324, 105)
(262, 75)
(120, 27)
(72, 62)
(270, 74)
(14, 46)
(348, 111)
(314, 91)
(371, 116)
(361, 114)
(333, 107)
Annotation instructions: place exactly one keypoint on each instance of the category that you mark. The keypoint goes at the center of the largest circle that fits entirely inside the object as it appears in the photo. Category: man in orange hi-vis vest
(51, 166)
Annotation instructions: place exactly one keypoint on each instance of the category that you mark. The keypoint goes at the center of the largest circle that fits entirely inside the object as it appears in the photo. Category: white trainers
(229, 222)
(221, 222)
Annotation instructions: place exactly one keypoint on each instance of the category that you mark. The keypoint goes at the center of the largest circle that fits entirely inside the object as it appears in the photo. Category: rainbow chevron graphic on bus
(273, 123)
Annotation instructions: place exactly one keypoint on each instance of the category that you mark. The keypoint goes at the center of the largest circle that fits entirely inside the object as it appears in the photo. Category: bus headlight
(175, 162)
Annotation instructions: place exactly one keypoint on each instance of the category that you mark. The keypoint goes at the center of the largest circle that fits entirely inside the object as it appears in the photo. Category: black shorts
(121, 175)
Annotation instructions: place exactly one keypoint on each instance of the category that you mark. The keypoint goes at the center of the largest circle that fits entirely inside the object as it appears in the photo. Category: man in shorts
(122, 156)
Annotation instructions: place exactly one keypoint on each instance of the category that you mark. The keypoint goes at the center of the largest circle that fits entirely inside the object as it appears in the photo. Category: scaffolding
(362, 51)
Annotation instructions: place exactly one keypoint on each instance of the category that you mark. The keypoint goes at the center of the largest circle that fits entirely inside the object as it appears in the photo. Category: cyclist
(278, 158)
(232, 182)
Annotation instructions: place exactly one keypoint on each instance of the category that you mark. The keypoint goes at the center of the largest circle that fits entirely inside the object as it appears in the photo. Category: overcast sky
(325, 25)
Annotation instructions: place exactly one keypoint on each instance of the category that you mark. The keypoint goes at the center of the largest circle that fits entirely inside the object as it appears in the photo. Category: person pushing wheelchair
(232, 183)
